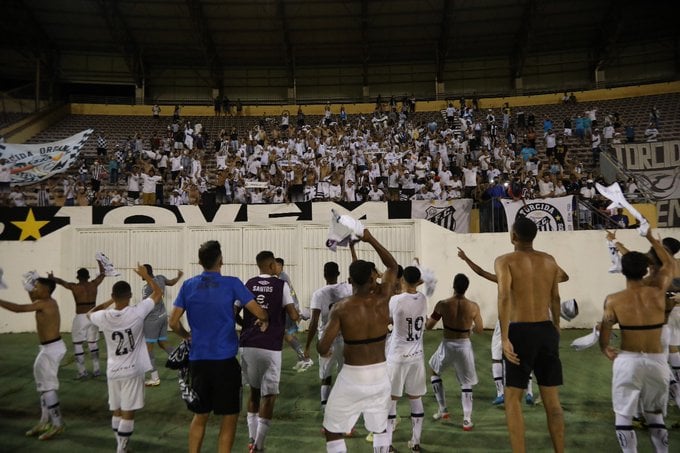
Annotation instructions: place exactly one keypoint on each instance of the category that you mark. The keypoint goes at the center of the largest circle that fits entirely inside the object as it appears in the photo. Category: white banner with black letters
(39, 161)
(549, 214)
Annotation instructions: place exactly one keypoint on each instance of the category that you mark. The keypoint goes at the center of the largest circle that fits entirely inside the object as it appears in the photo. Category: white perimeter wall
(582, 254)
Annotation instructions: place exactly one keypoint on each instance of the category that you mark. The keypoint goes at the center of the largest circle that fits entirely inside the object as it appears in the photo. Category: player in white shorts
(363, 385)
(82, 330)
(320, 305)
(640, 374)
(52, 350)
(261, 350)
(128, 359)
(405, 357)
(459, 316)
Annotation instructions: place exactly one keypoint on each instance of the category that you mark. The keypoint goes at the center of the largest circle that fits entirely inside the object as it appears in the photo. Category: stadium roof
(216, 34)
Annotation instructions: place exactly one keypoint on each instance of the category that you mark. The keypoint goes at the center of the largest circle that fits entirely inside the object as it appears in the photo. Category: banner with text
(549, 214)
(37, 162)
(656, 167)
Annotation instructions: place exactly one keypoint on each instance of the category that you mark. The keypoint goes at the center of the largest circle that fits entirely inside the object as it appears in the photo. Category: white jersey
(409, 313)
(125, 346)
(324, 298)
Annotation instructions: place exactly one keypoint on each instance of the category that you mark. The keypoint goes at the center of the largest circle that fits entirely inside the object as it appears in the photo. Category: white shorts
(640, 378)
(334, 361)
(83, 330)
(459, 355)
(46, 365)
(126, 394)
(261, 369)
(674, 326)
(408, 377)
(359, 390)
(497, 343)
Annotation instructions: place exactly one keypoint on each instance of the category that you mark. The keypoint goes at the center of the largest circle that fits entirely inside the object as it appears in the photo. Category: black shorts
(218, 386)
(537, 345)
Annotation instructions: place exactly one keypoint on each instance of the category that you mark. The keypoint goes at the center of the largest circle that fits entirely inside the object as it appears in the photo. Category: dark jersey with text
(268, 293)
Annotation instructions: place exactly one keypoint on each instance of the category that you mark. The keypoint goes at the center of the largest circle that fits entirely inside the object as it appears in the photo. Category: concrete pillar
(139, 95)
(365, 92)
(439, 89)
(519, 84)
(599, 78)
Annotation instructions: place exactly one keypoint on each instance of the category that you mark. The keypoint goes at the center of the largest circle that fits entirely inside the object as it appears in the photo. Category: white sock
(658, 432)
(417, 416)
(94, 355)
(530, 387)
(252, 424)
(115, 422)
(325, 391)
(674, 391)
(262, 428)
(80, 357)
(336, 446)
(674, 360)
(125, 429)
(154, 375)
(381, 443)
(44, 413)
(438, 390)
(391, 420)
(625, 434)
(466, 399)
(52, 402)
(497, 372)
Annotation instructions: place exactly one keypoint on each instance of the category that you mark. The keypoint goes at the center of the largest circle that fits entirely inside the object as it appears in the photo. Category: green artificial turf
(162, 426)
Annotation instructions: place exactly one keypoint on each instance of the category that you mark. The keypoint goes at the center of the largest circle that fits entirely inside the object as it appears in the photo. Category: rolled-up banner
(37, 162)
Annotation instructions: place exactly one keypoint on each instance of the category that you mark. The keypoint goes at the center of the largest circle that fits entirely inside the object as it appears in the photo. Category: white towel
(343, 230)
(428, 278)
(586, 341)
(614, 257)
(109, 270)
(28, 280)
(615, 195)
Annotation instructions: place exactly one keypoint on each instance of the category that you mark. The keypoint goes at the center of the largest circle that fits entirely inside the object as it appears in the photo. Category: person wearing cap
(82, 330)
(321, 302)
(51, 352)
(640, 374)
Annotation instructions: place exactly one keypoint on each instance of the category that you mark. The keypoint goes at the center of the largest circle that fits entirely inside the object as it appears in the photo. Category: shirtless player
(85, 296)
(363, 385)
(529, 313)
(52, 350)
(640, 374)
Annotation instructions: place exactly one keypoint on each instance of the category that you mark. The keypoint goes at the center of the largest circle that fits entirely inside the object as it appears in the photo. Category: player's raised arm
(157, 293)
(476, 268)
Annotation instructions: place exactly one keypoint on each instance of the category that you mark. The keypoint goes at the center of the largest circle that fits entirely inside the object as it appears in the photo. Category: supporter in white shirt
(546, 188)
(375, 194)
(16, 197)
(149, 187)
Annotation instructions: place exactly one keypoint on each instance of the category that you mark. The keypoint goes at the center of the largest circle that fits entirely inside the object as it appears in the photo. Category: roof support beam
(365, 48)
(443, 42)
(288, 47)
(610, 29)
(123, 39)
(522, 38)
(212, 58)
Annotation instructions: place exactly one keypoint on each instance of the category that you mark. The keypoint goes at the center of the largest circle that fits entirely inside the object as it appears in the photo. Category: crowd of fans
(462, 152)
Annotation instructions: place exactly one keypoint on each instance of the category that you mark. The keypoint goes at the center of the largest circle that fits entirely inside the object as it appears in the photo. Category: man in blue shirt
(527, 152)
(208, 300)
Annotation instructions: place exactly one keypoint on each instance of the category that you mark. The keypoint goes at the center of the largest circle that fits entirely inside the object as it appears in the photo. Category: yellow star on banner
(30, 227)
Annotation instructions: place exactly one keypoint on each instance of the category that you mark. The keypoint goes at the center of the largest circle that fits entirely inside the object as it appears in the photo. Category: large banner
(549, 214)
(36, 162)
(656, 167)
(19, 224)
(453, 215)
